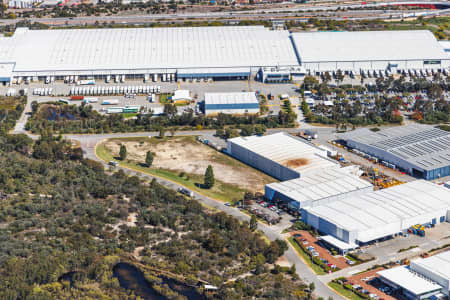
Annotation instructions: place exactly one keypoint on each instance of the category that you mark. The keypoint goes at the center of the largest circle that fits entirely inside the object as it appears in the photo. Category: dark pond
(131, 278)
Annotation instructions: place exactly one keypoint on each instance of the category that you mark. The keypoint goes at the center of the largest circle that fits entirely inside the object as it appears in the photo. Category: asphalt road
(88, 144)
(319, 11)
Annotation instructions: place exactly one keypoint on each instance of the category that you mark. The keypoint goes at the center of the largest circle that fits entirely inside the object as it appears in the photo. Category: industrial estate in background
(231, 52)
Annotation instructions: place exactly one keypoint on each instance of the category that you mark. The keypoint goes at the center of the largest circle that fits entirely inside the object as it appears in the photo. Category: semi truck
(110, 102)
(311, 133)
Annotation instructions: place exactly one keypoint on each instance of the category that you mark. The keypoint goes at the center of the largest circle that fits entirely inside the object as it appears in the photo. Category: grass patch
(8, 103)
(129, 115)
(406, 249)
(221, 191)
(344, 292)
(349, 257)
(317, 269)
(164, 98)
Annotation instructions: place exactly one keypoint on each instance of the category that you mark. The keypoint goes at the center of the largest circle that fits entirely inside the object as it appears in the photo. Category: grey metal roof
(422, 145)
(148, 48)
(367, 45)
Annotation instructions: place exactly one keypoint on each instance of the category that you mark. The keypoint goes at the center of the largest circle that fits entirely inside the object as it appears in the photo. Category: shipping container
(76, 97)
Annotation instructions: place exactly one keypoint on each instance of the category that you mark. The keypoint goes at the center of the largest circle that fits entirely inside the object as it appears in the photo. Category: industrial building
(368, 51)
(420, 150)
(424, 278)
(361, 219)
(229, 52)
(321, 187)
(280, 155)
(231, 103)
(216, 52)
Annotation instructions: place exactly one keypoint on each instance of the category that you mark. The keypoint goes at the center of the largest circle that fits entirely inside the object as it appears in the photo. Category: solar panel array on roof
(422, 145)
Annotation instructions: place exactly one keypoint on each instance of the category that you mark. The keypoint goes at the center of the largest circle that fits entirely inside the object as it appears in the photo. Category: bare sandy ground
(192, 157)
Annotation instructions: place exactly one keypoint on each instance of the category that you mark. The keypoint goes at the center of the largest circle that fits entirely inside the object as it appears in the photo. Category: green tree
(309, 82)
(123, 152)
(149, 158)
(312, 287)
(162, 132)
(305, 107)
(220, 132)
(209, 177)
(231, 133)
(253, 223)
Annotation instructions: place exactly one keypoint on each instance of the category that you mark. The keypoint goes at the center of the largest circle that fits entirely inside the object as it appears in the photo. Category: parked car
(350, 262)
(186, 192)
(113, 163)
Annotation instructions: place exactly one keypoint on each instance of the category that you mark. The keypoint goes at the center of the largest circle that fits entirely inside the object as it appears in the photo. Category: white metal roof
(446, 46)
(230, 98)
(388, 211)
(286, 149)
(147, 48)
(422, 145)
(181, 95)
(367, 45)
(409, 280)
(321, 184)
(338, 243)
(438, 264)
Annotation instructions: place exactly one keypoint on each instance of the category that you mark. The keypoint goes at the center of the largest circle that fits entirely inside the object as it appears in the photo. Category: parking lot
(197, 91)
(266, 211)
(317, 250)
(368, 284)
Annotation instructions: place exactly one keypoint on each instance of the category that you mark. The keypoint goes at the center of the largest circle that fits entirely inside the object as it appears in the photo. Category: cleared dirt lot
(185, 154)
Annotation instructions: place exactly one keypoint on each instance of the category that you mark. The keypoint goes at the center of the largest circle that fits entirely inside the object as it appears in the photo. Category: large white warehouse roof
(318, 185)
(147, 48)
(438, 264)
(374, 215)
(367, 46)
(287, 150)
